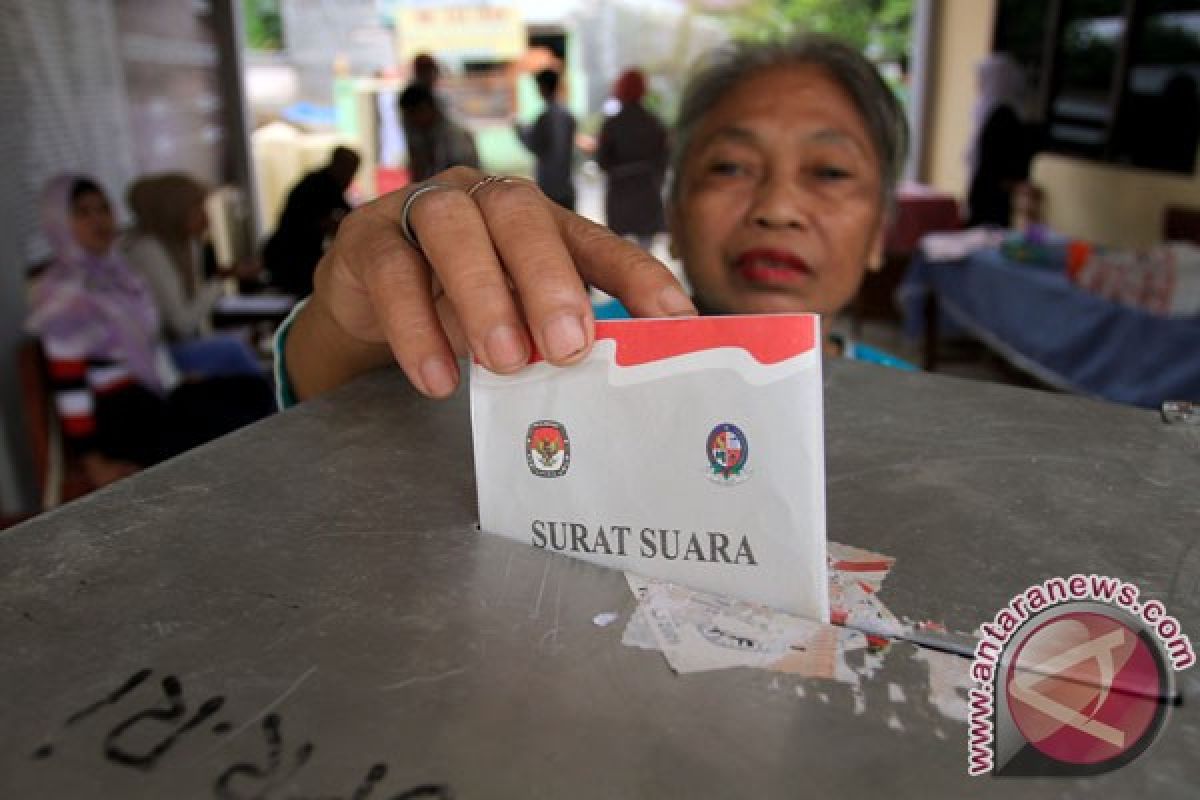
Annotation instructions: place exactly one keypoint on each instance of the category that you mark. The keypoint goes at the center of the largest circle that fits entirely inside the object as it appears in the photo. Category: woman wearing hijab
(121, 399)
(165, 248)
(1000, 154)
(633, 151)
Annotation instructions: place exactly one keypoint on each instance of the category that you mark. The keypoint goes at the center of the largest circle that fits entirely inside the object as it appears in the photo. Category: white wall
(65, 109)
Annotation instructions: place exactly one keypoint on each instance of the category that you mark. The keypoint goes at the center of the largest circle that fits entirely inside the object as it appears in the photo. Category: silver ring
(405, 224)
(484, 181)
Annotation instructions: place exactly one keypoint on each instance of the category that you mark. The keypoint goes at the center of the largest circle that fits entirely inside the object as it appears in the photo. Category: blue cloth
(610, 309)
(215, 356)
(857, 351)
(1041, 322)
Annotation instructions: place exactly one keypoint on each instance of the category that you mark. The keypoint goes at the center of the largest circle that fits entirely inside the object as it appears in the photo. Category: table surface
(304, 609)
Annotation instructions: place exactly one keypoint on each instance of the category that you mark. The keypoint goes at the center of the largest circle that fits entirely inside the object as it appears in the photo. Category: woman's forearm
(321, 356)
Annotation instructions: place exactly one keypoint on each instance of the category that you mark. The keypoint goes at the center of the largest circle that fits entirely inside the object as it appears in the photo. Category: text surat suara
(669, 544)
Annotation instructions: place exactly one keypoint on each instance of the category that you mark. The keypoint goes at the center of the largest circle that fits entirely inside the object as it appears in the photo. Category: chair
(1181, 224)
(60, 476)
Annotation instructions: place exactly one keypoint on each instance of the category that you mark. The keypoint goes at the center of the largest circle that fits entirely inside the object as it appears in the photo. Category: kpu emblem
(728, 454)
(547, 449)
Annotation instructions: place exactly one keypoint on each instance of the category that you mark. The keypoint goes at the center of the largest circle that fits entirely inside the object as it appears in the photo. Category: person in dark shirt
(552, 140)
(1000, 151)
(314, 208)
(633, 151)
(435, 142)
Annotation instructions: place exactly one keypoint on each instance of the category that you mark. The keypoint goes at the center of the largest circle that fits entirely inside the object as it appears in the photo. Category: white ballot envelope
(689, 450)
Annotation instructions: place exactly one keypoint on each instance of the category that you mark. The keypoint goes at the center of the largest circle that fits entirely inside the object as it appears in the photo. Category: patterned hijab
(92, 306)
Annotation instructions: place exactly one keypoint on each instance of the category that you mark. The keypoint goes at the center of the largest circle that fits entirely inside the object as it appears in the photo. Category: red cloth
(630, 87)
(920, 210)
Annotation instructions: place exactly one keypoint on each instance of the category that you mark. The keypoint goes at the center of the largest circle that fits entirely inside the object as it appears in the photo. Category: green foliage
(263, 24)
(878, 27)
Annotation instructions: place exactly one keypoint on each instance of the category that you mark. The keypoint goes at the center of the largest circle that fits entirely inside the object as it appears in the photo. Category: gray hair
(723, 69)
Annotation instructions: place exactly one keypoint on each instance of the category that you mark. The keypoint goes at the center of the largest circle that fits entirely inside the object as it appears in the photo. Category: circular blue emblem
(728, 451)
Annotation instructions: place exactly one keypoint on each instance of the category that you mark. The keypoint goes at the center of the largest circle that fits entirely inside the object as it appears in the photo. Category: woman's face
(780, 200)
(92, 223)
(197, 221)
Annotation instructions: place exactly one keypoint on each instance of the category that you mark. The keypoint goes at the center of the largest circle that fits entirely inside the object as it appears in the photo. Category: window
(1111, 80)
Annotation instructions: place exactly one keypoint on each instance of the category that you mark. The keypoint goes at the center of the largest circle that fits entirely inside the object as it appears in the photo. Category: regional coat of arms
(728, 453)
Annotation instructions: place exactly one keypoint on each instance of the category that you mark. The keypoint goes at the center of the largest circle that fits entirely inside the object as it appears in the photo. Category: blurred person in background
(166, 247)
(425, 71)
(122, 401)
(1000, 150)
(314, 208)
(435, 142)
(632, 150)
(551, 139)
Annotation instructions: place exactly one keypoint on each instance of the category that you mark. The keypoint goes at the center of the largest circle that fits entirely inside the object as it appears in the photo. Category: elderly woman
(786, 159)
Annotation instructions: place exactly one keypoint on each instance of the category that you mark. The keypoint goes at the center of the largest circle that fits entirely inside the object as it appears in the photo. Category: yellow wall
(1115, 206)
(964, 36)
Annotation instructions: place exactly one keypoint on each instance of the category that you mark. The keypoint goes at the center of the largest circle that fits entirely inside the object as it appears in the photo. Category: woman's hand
(500, 269)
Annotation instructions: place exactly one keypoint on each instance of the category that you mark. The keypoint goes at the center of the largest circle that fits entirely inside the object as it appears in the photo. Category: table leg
(929, 350)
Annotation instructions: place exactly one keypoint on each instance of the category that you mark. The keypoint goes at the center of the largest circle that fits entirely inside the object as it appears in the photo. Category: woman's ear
(875, 256)
(672, 227)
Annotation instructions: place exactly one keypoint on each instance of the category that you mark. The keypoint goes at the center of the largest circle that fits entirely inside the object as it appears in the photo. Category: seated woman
(786, 158)
(165, 248)
(122, 400)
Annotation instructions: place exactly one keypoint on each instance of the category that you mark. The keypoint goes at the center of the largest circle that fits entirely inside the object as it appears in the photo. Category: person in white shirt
(166, 248)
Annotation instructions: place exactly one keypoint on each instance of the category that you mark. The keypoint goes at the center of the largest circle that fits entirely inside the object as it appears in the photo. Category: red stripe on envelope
(864, 566)
(768, 338)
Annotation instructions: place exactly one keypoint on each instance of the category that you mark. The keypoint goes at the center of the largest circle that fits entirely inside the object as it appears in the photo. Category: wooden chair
(60, 477)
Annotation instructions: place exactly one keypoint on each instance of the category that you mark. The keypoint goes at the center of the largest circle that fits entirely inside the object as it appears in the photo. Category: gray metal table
(304, 609)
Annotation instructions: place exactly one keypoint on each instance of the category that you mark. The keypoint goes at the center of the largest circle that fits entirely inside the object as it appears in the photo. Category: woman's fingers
(379, 288)
(498, 265)
(623, 270)
(458, 245)
(529, 243)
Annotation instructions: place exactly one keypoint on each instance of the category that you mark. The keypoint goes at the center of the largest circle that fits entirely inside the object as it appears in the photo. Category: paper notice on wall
(689, 450)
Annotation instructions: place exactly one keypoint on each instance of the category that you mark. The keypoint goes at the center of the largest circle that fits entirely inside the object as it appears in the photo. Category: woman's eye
(727, 168)
(831, 173)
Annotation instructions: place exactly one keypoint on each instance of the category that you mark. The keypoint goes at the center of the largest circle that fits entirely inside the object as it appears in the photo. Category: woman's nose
(779, 204)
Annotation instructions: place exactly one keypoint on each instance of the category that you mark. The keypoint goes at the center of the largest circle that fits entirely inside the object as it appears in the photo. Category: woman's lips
(772, 267)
